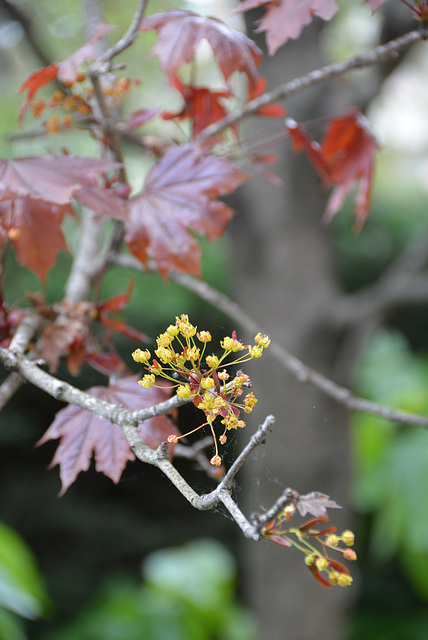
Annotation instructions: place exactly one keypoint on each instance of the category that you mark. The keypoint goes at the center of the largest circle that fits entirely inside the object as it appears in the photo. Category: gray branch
(382, 53)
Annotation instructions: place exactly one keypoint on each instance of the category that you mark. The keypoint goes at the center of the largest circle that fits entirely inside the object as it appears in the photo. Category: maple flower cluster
(203, 378)
(304, 538)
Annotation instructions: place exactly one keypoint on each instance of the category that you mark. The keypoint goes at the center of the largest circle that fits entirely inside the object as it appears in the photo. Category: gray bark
(284, 277)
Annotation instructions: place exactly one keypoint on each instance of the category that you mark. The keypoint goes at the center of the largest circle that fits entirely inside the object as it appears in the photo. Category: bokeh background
(134, 560)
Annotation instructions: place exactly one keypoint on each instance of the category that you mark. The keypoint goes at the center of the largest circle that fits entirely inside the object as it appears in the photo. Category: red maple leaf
(179, 33)
(178, 195)
(316, 503)
(83, 433)
(34, 229)
(57, 180)
(201, 105)
(66, 71)
(344, 159)
(285, 19)
(115, 305)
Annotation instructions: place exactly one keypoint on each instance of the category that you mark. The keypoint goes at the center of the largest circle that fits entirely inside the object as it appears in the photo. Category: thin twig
(382, 53)
(128, 38)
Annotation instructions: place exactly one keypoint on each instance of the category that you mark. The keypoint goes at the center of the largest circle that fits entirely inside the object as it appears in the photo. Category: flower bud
(321, 563)
(344, 580)
(332, 540)
(348, 538)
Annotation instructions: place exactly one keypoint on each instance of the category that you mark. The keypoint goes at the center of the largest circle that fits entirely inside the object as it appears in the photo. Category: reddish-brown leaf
(178, 195)
(318, 577)
(66, 71)
(34, 229)
(344, 158)
(116, 305)
(285, 19)
(201, 105)
(57, 179)
(83, 434)
(179, 33)
(34, 82)
(66, 336)
(316, 503)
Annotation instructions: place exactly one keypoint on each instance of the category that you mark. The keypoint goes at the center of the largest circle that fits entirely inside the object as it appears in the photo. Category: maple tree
(156, 228)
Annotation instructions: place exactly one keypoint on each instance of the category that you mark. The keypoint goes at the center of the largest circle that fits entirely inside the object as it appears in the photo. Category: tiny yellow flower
(207, 383)
(256, 351)
(344, 580)
(321, 563)
(262, 340)
(348, 538)
(172, 331)
(216, 461)
(204, 336)
(164, 355)
(147, 381)
(332, 540)
(184, 391)
(229, 344)
(141, 356)
(223, 375)
(193, 353)
(212, 361)
(310, 559)
(164, 340)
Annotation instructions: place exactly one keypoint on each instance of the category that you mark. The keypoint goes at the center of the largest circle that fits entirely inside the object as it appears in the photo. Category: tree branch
(127, 39)
(382, 53)
(128, 421)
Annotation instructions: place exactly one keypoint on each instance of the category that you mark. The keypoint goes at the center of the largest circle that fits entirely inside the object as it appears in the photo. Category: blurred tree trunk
(284, 277)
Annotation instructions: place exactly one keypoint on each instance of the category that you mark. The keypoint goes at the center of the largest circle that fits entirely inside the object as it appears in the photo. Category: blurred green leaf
(391, 464)
(188, 594)
(21, 585)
